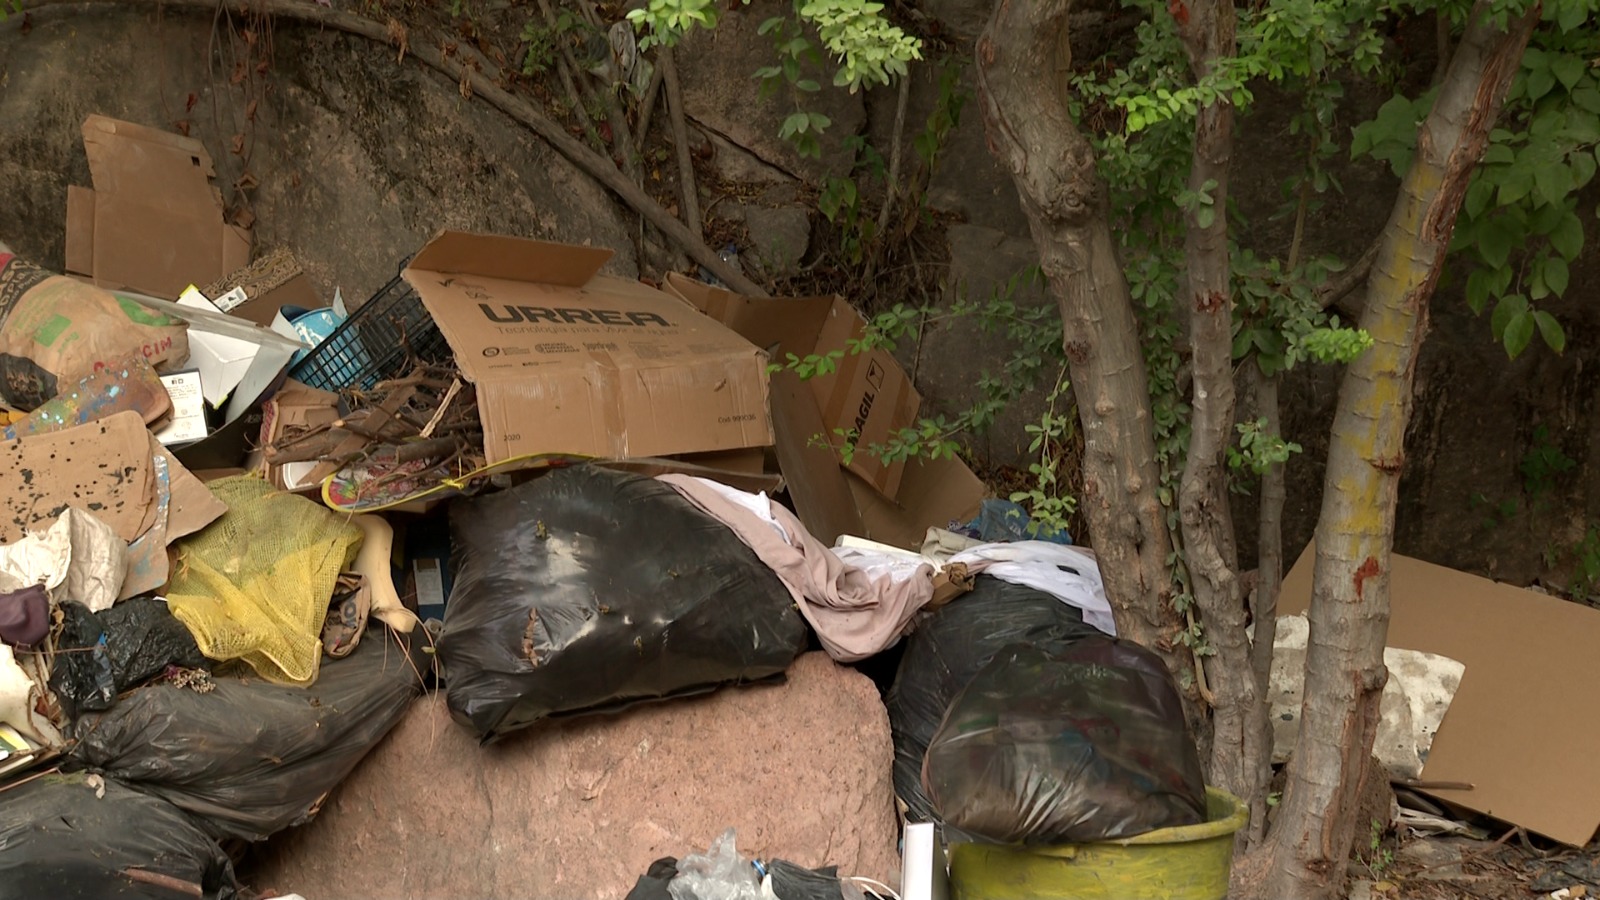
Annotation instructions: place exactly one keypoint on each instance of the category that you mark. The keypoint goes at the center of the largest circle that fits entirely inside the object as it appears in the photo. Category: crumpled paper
(77, 558)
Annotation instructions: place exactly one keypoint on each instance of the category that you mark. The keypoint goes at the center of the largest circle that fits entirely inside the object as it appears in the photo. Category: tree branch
(1334, 292)
(596, 166)
(680, 141)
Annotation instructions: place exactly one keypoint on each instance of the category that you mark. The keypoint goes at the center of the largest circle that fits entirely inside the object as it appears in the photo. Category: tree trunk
(1349, 613)
(1264, 612)
(1206, 296)
(1034, 138)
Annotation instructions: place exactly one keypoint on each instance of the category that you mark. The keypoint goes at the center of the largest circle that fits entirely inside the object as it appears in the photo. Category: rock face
(581, 808)
(358, 160)
(719, 93)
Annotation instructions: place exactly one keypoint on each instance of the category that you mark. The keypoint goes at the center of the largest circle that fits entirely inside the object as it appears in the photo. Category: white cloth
(1066, 573)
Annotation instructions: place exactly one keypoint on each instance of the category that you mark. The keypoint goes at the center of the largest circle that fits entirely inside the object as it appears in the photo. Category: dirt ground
(1509, 867)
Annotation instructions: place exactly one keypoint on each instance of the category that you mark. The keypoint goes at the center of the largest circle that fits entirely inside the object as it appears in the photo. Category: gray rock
(580, 808)
(359, 159)
(956, 353)
(720, 94)
(779, 238)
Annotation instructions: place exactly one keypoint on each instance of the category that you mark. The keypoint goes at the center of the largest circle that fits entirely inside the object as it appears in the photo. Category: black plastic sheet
(586, 590)
(1086, 743)
(251, 758)
(61, 839)
(948, 648)
(116, 649)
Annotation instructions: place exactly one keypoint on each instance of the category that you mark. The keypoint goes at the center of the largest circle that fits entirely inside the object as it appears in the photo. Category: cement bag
(1087, 743)
(67, 838)
(587, 589)
(948, 648)
(55, 330)
(252, 758)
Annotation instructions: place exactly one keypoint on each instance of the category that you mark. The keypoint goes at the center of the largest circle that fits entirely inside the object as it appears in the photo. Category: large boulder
(719, 93)
(580, 808)
(357, 159)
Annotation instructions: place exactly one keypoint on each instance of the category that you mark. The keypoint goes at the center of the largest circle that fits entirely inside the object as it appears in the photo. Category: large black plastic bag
(588, 589)
(1085, 744)
(251, 758)
(60, 839)
(948, 648)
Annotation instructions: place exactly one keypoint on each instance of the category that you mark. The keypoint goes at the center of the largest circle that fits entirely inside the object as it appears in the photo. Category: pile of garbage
(241, 531)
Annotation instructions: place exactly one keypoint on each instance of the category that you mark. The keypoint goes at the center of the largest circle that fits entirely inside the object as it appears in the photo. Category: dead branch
(680, 140)
(596, 166)
(647, 106)
(1334, 292)
(893, 187)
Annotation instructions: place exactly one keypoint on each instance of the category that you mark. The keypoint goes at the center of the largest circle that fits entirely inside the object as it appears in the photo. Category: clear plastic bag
(1085, 744)
(718, 874)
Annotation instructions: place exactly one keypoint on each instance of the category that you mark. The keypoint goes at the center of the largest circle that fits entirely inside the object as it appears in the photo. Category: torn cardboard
(869, 395)
(566, 360)
(153, 222)
(1522, 705)
(829, 500)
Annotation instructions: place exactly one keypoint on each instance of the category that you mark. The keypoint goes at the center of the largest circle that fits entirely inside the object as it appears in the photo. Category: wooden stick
(165, 881)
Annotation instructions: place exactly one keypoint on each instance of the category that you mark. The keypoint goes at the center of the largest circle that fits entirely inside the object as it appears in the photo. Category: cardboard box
(566, 360)
(869, 394)
(153, 223)
(296, 292)
(1523, 718)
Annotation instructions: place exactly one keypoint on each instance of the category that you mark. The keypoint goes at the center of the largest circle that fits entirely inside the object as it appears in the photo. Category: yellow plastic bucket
(1191, 862)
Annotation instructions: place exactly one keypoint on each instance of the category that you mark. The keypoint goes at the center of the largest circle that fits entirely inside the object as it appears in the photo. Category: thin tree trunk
(1034, 138)
(1206, 28)
(1349, 613)
(1264, 611)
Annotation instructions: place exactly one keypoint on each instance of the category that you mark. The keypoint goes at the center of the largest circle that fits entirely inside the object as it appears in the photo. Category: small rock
(779, 238)
(1438, 861)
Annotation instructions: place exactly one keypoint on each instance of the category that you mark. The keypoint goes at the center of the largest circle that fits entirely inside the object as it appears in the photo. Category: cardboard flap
(792, 325)
(156, 169)
(509, 259)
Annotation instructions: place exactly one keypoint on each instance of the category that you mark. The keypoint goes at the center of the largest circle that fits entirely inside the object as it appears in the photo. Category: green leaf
(1555, 275)
(1571, 16)
(808, 85)
(1478, 290)
(768, 25)
(1540, 81)
(1519, 331)
(1509, 307)
(1567, 237)
(1554, 336)
(1568, 69)
(1553, 181)
(1494, 242)
(1587, 98)
(1478, 197)
(1205, 216)
(1518, 182)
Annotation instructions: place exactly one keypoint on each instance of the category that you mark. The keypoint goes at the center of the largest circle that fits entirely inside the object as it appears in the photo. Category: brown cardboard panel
(569, 362)
(817, 486)
(868, 393)
(1525, 711)
(506, 258)
(103, 468)
(153, 222)
(297, 291)
(933, 493)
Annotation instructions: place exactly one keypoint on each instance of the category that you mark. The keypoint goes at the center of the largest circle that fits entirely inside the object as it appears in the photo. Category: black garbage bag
(586, 590)
(951, 646)
(119, 648)
(61, 839)
(251, 758)
(1085, 743)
